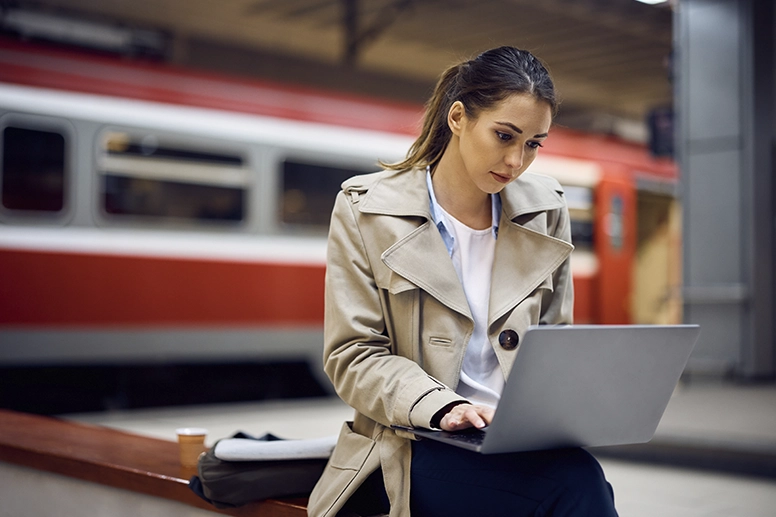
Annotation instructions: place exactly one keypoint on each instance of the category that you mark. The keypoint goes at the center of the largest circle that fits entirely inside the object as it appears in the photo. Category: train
(155, 214)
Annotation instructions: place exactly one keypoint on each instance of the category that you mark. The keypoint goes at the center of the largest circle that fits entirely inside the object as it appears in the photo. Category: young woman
(436, 268)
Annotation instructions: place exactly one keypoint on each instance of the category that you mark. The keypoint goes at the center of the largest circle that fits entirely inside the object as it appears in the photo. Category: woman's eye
(504, 137)
(534, 145)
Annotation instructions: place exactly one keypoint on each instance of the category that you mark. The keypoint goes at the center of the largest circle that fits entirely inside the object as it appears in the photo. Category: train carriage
(153, 214)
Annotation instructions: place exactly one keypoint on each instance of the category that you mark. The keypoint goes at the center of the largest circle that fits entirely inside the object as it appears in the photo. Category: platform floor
(717, 415)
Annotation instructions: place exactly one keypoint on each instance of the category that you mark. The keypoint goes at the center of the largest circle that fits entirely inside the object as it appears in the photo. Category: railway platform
(713, 455)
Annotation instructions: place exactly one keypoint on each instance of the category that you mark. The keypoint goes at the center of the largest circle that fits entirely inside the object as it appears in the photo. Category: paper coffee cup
(191, 443)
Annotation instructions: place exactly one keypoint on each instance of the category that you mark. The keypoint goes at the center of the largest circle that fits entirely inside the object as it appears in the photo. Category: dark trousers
(448, 481)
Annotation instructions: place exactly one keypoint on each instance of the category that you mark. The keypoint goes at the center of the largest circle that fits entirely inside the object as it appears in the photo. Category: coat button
(508, 339)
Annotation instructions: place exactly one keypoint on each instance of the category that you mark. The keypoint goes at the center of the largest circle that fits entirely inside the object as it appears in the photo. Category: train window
(146, 177)
(33, 170)
(580, 204)
(170, 199)
(309, 191)
(582, 233)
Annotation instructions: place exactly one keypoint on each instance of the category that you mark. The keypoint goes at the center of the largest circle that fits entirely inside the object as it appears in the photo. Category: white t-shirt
(481, 379)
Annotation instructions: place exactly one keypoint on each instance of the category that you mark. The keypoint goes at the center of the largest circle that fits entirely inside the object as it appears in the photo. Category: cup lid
(191, 431)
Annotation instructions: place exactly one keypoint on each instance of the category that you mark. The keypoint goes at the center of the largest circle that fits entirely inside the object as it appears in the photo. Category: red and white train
(153, 214)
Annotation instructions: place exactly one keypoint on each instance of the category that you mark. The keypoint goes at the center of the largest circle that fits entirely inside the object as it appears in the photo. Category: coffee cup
(191, 443)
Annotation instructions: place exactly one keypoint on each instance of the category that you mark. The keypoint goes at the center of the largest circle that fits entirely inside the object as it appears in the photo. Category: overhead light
(652, 2)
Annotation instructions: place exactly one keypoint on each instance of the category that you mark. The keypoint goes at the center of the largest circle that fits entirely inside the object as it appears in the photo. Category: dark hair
(479, 84)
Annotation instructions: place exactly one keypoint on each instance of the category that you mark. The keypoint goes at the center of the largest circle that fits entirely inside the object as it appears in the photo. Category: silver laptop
(583, 386)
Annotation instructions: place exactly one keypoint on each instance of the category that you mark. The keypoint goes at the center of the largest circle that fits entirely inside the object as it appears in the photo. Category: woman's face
(498, 145)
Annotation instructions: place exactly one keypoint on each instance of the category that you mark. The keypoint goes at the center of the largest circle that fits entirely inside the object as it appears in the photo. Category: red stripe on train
(47, 289)
(69, 289)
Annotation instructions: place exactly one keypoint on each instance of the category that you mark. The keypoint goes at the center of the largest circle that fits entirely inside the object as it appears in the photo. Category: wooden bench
(116, 459)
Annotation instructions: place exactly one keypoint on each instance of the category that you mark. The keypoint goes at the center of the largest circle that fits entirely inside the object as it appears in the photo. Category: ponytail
(435, 133)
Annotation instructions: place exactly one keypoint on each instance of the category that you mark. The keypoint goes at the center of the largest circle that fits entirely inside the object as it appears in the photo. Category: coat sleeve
(387, 388)
(558, 309)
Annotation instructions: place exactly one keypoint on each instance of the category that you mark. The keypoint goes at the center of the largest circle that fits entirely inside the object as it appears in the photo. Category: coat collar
(524, 258)
(404, 193)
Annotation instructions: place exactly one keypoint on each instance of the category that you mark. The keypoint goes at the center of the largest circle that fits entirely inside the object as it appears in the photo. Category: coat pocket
(440, 341)
(348, 467)
(351, 450)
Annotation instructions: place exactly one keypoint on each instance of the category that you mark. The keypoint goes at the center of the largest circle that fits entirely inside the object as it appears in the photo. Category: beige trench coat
(397, 320)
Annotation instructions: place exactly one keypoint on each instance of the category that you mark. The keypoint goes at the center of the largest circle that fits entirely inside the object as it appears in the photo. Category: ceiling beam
(356, 37)
(646, 22)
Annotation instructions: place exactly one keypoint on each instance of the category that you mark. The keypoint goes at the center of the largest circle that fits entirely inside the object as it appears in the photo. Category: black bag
(228, 484)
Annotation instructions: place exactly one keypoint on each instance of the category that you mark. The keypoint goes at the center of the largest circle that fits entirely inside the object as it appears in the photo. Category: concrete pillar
(725, 148)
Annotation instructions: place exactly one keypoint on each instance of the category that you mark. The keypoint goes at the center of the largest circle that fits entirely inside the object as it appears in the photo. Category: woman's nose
(514, 158)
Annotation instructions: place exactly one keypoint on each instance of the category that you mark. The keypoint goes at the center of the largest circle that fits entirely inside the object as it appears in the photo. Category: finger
(472, 415)
(454, 419)
(487, 414)
(467, 415)
(451, 422)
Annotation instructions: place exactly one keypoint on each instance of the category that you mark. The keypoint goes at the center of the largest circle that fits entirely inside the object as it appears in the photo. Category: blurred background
(169, 167)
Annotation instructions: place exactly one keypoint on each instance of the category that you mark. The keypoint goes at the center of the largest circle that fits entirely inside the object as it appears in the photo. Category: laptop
(583, 386)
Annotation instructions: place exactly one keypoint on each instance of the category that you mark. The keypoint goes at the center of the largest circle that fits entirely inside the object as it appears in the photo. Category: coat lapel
(417, 253)
(524, 258)
(422, 258)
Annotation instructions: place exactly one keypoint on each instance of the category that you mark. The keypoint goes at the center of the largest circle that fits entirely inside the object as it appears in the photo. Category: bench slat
(114, 458)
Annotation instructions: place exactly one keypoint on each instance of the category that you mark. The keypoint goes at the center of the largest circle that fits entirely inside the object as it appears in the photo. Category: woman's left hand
(466, 415)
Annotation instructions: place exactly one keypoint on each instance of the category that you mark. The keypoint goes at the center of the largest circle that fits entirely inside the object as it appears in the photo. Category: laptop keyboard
(473, 437)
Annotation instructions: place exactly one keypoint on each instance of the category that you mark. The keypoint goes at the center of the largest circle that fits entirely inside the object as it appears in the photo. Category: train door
(657, 263)
(615, 245)
(580, 180)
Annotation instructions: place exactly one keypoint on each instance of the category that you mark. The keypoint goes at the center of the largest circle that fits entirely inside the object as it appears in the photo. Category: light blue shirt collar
(441, 220)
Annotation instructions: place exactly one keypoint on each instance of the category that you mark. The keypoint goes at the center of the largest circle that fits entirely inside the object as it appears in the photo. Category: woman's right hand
(462, 416)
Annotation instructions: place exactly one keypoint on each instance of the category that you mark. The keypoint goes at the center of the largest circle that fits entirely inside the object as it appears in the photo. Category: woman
(436, 267)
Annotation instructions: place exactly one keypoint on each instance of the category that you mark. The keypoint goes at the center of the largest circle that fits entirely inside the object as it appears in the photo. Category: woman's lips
(501, 178)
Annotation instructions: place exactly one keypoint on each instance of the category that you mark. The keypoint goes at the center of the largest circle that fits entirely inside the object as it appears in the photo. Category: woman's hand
(466, 415)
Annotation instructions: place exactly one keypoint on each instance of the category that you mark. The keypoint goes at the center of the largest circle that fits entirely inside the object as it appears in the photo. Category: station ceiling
(609, 58)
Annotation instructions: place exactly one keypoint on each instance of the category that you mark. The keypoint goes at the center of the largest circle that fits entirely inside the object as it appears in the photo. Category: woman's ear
(456, 117)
